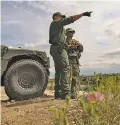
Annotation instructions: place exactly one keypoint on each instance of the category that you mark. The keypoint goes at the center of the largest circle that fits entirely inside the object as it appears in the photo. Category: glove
(78, 44)
(87, 14)
(72, 46)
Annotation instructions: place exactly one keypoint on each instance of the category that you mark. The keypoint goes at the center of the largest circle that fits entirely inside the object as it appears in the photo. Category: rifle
(77, 59)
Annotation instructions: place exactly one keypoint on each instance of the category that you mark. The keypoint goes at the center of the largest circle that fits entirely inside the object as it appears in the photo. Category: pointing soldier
(58, 51)
(74, 53)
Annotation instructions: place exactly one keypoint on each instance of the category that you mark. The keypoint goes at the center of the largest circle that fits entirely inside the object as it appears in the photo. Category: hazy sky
(27, 24)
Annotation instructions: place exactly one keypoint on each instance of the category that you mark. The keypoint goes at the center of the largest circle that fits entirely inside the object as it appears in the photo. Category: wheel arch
(18, 58)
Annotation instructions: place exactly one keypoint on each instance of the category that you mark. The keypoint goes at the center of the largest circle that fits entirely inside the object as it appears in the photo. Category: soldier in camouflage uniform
(58, 52)
(74, 53)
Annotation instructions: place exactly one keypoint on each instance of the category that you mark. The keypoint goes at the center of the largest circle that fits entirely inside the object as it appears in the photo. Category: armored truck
(24, 72)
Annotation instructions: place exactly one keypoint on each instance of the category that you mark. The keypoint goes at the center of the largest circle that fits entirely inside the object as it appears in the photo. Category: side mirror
(4, 50)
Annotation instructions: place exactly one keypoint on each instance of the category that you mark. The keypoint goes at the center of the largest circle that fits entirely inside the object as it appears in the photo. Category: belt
(54, 44)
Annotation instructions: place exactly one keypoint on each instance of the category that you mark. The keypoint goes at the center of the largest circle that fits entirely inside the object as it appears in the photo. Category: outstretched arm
(78, 16)
(71, 19)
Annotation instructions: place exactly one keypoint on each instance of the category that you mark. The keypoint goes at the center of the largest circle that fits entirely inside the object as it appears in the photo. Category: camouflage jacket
(76, 48)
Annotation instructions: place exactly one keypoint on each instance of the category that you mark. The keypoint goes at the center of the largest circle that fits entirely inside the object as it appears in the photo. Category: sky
(26, 23)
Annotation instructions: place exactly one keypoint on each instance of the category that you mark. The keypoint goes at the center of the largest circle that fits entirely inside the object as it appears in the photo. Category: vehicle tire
(25, 79)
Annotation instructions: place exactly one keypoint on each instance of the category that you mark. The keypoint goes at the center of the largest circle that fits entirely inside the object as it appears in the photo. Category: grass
(105, 111)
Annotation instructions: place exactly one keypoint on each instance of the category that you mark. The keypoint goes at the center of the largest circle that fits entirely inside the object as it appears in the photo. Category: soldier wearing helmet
(74, 53)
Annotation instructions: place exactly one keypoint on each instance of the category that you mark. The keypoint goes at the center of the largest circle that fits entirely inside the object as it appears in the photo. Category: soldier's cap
(70, 30)
(58, 13)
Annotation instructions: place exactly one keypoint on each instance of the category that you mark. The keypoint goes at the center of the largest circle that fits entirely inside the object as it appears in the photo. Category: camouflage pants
(74, 73)
(61, 63)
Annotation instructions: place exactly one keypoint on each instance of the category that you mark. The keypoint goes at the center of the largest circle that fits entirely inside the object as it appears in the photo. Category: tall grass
(105, 111)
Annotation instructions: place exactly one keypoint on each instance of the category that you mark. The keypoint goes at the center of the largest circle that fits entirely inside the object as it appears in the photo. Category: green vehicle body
(11, 55)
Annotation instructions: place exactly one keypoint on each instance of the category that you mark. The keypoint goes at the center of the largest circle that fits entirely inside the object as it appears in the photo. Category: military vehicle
(24, 72)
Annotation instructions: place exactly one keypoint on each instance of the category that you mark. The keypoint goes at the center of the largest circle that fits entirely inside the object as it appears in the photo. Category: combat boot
(57, 95)
(65, 96)
(73, 96)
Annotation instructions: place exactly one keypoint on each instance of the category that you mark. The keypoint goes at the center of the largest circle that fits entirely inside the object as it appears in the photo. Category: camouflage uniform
(60, 57)
(74, 55)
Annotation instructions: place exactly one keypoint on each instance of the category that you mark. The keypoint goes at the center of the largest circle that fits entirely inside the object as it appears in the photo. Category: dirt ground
(30, 112)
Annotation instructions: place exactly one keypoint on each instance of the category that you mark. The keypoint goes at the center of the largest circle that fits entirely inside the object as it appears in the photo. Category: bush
(60, 113)
(51, 84)
(97, 111)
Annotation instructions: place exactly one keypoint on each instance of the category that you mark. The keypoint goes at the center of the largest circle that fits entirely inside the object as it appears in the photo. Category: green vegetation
(51, 84)
(104, 111)
(60, 113)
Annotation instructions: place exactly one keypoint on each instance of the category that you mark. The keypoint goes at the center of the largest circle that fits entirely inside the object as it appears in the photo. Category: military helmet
(70, 30)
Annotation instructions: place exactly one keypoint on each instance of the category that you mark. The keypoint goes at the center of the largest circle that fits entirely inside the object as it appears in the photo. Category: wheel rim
(26, 80)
